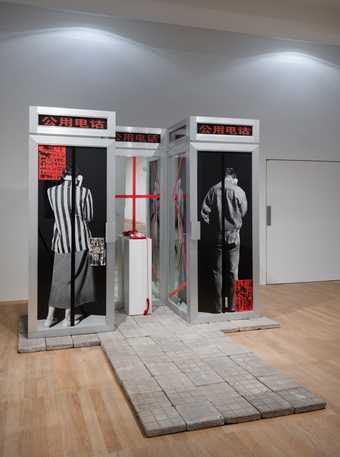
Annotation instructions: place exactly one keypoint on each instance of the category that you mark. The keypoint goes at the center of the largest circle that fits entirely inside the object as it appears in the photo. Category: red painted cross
(134, 196)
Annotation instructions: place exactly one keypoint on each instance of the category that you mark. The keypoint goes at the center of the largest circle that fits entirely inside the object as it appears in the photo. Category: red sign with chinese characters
(244, 295)
(224, 129)
(94, 123)
(136, 137)
(52, 162)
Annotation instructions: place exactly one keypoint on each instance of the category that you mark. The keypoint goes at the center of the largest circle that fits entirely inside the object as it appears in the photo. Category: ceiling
(308, 20)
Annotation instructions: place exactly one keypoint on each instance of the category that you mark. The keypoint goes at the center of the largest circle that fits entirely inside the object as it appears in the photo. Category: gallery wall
(153, 75)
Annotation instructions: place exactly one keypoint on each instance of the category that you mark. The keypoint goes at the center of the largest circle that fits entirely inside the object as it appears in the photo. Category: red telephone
(134, 235)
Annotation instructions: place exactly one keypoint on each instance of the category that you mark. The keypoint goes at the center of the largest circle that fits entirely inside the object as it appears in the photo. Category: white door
(303, 238)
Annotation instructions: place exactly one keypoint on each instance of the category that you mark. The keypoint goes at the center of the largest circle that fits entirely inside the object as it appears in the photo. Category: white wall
(153, 75)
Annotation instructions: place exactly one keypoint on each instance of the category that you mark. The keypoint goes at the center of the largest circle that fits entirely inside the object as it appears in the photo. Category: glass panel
(154, 224)
(71, 222)
(177, 233)
(136, 183)
(225, 262)
(122, 165)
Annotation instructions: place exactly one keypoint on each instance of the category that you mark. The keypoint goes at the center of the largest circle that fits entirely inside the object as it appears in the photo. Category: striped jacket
(60, 198)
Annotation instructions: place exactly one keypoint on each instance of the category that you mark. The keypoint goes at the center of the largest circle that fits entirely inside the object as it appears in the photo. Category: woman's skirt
(60, 294)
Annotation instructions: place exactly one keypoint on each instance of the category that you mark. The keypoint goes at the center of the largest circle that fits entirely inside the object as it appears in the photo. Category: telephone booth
(212, 219)
(139, 207)
(71, 213)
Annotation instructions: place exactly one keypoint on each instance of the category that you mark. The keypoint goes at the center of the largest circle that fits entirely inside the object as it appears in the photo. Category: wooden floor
(68, 403)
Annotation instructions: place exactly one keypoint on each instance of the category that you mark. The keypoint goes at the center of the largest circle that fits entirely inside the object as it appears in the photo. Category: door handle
(269, 216)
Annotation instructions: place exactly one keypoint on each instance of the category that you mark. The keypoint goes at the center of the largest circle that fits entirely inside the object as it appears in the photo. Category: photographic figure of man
(224, 208)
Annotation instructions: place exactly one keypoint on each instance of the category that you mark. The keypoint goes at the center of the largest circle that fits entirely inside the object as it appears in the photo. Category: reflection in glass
(177, 233)
(154, 224)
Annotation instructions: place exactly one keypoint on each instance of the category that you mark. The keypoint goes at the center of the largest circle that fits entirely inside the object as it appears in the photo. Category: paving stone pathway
(180, 377)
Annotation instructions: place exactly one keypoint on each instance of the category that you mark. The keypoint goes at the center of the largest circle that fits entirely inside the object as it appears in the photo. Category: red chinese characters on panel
(73, 122)
(244, 295)
(136, 137)
(52, 162)
(224, 129)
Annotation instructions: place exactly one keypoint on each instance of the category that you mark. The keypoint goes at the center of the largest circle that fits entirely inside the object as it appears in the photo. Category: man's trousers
(226, 259)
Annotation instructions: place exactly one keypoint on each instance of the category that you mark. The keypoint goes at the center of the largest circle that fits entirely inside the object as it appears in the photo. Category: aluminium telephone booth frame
(149, 144)
(186, 140)
(71, 128)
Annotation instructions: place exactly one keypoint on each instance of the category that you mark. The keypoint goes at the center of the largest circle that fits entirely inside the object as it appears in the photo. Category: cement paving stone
(232, 348)
(26, 345)
(203, 378)
(217, 391)
(278, 382)
(195, 340)
(179, 382)
(228, 370)
(140, 341)
(82, 341)
(149, 357)
(163, 368)
(184, 333)
(214, 328)
(236, 410)
(269, 404)
(59, 342)
(119, 350)
(147, 348)
(110, 336)
(131, 373)
(199, 373)
(215, 336)
(133, 332)
(141, 319)
(186, 356)
(131, 329)
(139, 401)
(233, 407)
(207, 351)
(140, 386)
(165, 339)
(151, 354)
(151, 328)
(230, 327)
(254, 365)
(260, 323)
(190, 396)
(246, 387)
(161, 421)
(125, 362)
(176, 346)
(156, 414)
(302, 400)
(200, 415)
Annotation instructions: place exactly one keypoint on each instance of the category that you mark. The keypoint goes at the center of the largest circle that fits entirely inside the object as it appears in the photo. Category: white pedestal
(137, 275)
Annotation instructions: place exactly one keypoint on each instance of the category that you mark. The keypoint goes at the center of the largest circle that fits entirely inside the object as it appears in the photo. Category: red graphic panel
(52, 162)
(244, 295)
